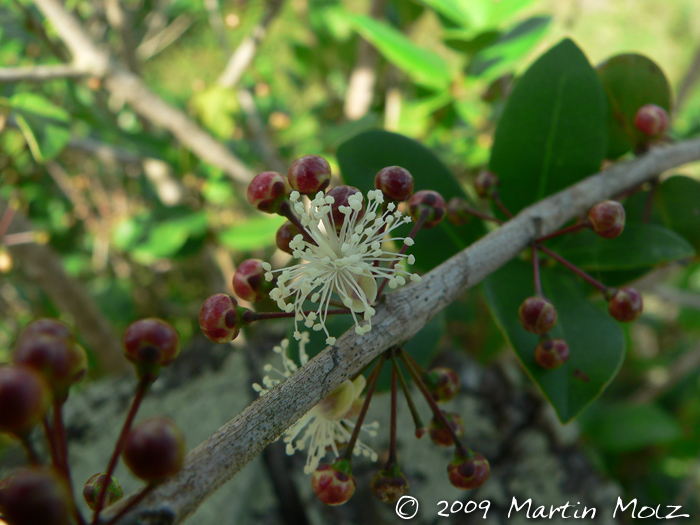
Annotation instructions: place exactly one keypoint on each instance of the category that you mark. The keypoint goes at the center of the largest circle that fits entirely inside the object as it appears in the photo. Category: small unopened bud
(390, 484)
(154, 449)
(442, 383)
(457, 212)
(310, 174)
(36, 495)
(93, 488)
(607, 219)
(249, 281)
(550, 354)
(48, 326)
(652, 120)
(626, 304)
(285, 234)
(267, 191)
(340, 195)
(334, 484)
(150, 344)
(429, 202)
(485, 182)
(467, 472)
(24, 399)
(440, 434)
(219, 319)
(395, 182)
(537, 315)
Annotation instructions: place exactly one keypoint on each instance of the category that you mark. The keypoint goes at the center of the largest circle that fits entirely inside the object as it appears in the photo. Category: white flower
(325, 425)
(346, 262)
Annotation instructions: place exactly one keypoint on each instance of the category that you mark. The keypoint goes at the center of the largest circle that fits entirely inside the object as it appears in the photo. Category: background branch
(41, 73)
(398, 319)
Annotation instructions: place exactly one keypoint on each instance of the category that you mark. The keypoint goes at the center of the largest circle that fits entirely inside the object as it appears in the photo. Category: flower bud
(249, 280)
(442, 383)
(468, 472)
(485, 182)
(309, 175)
(154, 449)
(652, 120)
(607, 219)
(537, 315)
(219, 319)
(457, 212)
(47, 326)
(24, 399)
(389, 485)
(33, 496)
(150, 344)
(267, 191)
(340, 195)
(285, 234)
(428, 201)
(439, 433)
(395, 182)
(626, 304)
(334, 484)
(550, 354)
(93, 488)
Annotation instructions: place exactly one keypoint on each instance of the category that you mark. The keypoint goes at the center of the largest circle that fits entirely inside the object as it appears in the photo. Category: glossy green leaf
(477, 14)
(168, 237)
(253, 234)
(624, 428)
(678, 200)
(596, 341)
(38, 105)
(363, 156)
(630, 81)
(552, 131)
(639, 246)
(43, 124)
(423, 66)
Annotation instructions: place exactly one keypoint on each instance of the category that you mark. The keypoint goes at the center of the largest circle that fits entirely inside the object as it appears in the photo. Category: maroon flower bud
(420, 432)
(33, 496)
(285, 234)
(607, 219)
(154, 449)
(249, 281)
(652, 120)
(395, 182)
(439, 433)
(48, 326)
(457, 212)
(267, 191)
(550, 354)
(24, 399)
(626, 304)
(219, 319)
(485, 182)
(310, 174)
(334, 484)
(341, 194)
(150, 344)
(429, 202)
(93, 488)
(537, 315)
(390, 484)
(442, 383)
(467, 472)
(62, 362)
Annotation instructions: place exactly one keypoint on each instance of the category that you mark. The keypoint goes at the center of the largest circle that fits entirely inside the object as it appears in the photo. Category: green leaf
(253, 234)
(596, 341)
(424, 67)
(678, 200)
(630, 81)
(215, 107)
(624, 428)
(639, 246)
(477, 14)
(168, 237)
(363, 156)
(43, 124)
(38, 105)
(552, 131)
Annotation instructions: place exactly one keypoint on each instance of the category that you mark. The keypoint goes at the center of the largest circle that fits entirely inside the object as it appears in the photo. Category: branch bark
(399, 318)
(41, 73)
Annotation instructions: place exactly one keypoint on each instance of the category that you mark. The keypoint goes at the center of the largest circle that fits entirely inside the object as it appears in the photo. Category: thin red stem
(392, 431)
(141, 390)
(480, 214)
(578, 271)
(250, 316)
(51, 438)
(132, 503)
(497, 199)
(536, 270)
(30, 450)
(59, 431)
(417, 421)
(649, 204)
(288, 212)
(564, 231)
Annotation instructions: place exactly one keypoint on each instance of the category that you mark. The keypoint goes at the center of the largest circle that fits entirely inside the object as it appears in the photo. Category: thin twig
(41, 73)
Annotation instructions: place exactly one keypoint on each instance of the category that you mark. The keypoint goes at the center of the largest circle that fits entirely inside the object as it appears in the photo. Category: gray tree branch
(398, 318)
(41, 73)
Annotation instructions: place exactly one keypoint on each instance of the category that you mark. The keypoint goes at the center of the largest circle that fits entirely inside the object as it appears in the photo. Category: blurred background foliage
(149, 230)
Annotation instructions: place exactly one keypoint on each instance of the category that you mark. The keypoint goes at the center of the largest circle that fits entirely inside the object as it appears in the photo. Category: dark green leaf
(552, 131)
(253, 234)
(678, 199)
(596, 341)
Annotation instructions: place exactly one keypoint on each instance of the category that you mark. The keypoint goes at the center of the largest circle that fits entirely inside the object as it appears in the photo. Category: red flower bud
(429, 202)
(626, 304)
(334, 484)
(457, 211)
(93, 487)
(537, 315)
(468, 472)
(249, 280)
(550, 354)
(24, 399)
(154, 449)
(285, 235)
(309, 175)
(390, 484)
(267, 191)
(442, 383)
(219, 319)
(150, 344)
(485, 182)
(395, 182)
(341, 194)
(652, 120)
(33, 496)
(439, 433)
(607, 219)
